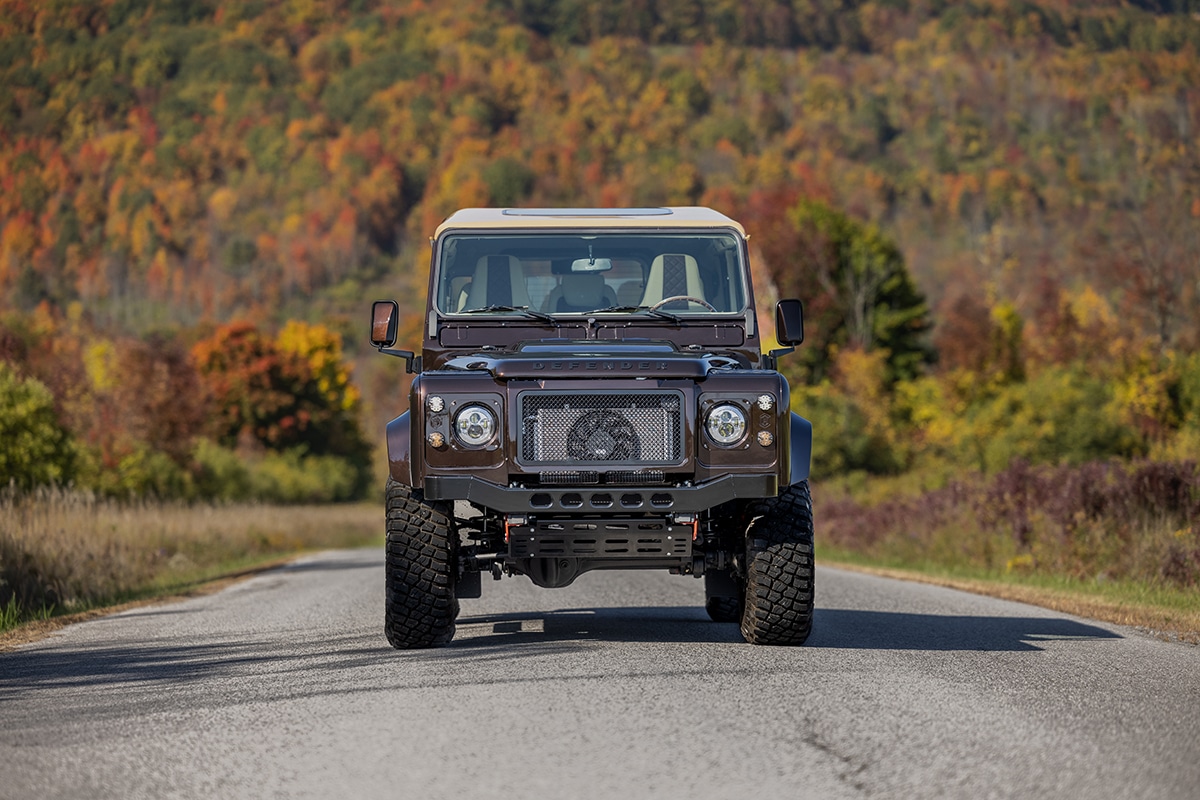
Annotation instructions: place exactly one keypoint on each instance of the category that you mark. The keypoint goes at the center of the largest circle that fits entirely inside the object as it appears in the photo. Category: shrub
(219, 473)
(293, 476)
(1102, 519)
(37, 450)
(138, 471)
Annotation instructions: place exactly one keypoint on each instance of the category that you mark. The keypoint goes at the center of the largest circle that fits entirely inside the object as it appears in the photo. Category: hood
(594, 359)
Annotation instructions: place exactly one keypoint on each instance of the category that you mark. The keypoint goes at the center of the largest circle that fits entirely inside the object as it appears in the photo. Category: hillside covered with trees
(1014, 185)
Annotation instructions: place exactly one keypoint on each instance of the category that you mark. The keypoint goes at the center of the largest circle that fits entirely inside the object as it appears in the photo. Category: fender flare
(399, 449)
(800, 449)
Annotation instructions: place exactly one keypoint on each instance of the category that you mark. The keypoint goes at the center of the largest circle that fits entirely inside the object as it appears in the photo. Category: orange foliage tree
(281, 394)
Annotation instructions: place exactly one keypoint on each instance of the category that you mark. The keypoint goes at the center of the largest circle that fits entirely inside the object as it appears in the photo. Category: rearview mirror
(591, 265)
(385, 318)
(789, 322)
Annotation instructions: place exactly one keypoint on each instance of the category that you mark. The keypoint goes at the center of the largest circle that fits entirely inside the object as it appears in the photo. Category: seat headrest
(583, 289)
(672, 275)
(498, 280)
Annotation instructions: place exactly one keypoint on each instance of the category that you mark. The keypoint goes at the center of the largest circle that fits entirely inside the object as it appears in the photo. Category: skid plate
(632, 538)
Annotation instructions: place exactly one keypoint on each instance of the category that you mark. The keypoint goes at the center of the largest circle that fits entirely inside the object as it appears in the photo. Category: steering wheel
(666, 300)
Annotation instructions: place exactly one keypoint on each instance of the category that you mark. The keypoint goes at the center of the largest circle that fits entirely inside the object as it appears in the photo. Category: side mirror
(789, 322)
(385, 318)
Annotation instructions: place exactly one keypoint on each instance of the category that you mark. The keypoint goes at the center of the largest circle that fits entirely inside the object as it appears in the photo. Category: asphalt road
(619, 686)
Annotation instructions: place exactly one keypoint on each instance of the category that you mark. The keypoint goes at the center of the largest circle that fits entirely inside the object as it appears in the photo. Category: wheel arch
(399, 449)
(800, 455)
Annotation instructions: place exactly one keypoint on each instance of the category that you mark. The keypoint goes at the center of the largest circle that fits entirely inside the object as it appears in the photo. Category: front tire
(421, 560)
(779, 569)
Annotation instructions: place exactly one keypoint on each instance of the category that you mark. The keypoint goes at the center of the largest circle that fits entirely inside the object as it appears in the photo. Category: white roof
(541, 218)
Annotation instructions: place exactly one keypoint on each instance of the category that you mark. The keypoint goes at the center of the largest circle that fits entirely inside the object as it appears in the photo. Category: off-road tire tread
(723, 609)
(779, 569)
(421, 558)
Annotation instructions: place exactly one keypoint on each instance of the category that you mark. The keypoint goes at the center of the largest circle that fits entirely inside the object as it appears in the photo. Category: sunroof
(586, 212)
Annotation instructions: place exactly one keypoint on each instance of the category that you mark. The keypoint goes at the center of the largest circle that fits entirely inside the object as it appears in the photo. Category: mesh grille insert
(569, 428)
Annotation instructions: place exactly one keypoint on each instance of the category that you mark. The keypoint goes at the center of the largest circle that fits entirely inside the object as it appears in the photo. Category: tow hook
(689, 519)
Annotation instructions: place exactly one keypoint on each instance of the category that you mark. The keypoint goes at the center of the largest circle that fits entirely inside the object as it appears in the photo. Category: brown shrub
(1118, 519)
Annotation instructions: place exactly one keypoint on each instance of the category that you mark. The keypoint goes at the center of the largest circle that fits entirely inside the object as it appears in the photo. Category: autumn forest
(199, 199)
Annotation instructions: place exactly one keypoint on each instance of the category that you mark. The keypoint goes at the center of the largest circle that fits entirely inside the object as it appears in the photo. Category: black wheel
(723, 596)
(779, 568)
(419, 570)
(725, 589)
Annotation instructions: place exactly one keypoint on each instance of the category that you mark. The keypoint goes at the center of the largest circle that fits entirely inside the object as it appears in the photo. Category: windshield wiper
(526, 310)
(657, 312)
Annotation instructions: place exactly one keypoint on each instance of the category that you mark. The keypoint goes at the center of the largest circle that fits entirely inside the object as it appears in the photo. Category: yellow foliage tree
(322, 349)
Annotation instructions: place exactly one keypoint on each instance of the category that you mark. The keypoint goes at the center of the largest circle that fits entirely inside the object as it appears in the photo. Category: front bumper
(600, 499)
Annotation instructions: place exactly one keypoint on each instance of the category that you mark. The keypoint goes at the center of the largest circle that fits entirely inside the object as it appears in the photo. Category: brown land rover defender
(591, 394)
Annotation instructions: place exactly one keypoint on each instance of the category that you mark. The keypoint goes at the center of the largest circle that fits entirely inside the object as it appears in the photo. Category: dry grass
(1113, 541)
(71, 551)
(40, 627)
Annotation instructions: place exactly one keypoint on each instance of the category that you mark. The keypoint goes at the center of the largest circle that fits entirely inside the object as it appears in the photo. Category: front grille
(623, 428)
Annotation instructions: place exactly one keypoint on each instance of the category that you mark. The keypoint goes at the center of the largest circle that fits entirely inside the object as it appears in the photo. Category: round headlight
(726, 424)
(475, 425)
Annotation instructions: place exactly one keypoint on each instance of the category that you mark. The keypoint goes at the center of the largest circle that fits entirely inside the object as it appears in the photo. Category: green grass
(1152, 605)
(1117, 591)
(12, 614)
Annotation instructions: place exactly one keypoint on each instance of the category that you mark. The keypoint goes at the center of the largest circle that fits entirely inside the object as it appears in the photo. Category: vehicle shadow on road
(679, 624)
(166, 661)
(897, 630)
(832, 628)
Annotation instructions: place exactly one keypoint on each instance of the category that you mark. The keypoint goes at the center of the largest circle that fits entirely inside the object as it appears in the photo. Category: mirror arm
(771, 359)
(412, 363)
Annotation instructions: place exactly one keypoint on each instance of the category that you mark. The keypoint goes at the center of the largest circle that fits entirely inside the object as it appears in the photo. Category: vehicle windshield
(661, 275)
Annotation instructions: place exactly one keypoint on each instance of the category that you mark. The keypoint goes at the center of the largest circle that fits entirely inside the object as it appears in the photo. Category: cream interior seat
(580, 291)
(672, 275)
(498, 281)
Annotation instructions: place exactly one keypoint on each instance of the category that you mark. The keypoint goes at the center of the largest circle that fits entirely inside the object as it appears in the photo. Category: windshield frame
(730, 280)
